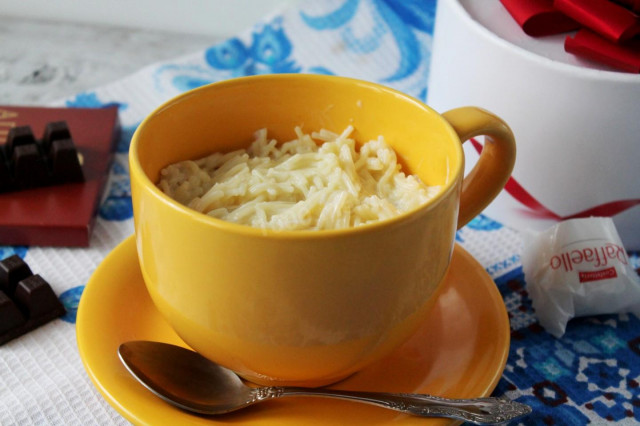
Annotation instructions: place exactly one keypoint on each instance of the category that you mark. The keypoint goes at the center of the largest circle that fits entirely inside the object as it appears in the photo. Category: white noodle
(299, 184)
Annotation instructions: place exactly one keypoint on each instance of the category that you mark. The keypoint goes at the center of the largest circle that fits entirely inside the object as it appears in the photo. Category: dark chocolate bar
(56, 215)
(27, 301)
(30, 163)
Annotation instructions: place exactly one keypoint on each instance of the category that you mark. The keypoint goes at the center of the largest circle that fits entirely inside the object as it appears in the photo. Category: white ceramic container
(577, 124)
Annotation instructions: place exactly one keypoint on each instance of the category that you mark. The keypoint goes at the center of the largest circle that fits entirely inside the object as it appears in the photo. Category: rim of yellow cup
(136, 171)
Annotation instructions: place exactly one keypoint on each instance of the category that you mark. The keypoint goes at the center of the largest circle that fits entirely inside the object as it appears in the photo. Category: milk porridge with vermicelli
(321, 180)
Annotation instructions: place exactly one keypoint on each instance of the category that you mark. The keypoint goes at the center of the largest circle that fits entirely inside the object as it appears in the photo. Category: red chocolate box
(59, 215)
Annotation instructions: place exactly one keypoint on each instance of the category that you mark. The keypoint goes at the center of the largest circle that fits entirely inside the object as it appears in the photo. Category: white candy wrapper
(578, 268)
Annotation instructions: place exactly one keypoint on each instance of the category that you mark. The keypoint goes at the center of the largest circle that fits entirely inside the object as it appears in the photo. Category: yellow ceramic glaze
(458, 351)
(304, 307)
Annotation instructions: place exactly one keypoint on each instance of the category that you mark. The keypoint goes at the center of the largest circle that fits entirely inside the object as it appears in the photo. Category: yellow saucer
(460, 352)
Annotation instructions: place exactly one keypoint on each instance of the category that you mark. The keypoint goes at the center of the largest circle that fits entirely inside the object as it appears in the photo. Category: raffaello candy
(577, 268)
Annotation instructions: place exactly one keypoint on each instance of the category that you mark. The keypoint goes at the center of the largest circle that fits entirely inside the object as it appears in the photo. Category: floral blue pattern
(484, 223)
(126, 133)
(268, 52)
(478, 223)
(70, 300)
(269, 49)
(6, 251)
(117, 205)
(91, 100)
(398, 18)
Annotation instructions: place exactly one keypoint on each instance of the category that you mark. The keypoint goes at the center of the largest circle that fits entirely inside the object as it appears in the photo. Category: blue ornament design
(410, 54)
(480, 223)
(603, 373)
(336, 19)
(551, 368)
(423, 94)
(70, 300)
(118, 206)
(611, 406)
(608, 342)
(126, 133)
(270, 46)
(419, 14)
(399, 18)
(584, 371)
(91, 100)
(484, 223)
(7, 251)
(321, 70)
(268, 52)
(340, 18)
(227, 55)
(368, 43)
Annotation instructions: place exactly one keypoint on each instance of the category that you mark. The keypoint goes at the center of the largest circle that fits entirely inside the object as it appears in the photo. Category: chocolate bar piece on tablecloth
(27, 301)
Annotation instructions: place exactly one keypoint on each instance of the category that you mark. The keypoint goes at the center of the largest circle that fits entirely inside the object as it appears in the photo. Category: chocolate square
(18, 136)
(29, 167)
(65, 162)
(13, 270)
(54, 131)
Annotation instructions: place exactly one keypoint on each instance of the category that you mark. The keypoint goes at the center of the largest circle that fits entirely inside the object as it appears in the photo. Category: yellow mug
(305, 307)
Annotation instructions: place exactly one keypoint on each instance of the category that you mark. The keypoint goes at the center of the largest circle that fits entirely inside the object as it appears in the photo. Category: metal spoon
(189, 381)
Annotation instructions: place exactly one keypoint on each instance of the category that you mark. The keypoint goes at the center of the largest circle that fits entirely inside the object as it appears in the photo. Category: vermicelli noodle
(301, 184)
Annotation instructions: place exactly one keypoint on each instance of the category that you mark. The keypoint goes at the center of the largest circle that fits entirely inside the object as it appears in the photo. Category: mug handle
(490, 174)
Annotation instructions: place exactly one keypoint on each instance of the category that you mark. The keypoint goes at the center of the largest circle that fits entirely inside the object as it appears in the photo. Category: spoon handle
(478, 411)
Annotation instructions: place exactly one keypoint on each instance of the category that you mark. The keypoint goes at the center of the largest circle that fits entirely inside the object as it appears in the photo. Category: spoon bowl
(191, 382)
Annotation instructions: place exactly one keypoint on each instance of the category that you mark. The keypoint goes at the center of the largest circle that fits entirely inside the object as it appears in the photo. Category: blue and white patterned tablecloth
(591, 374)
